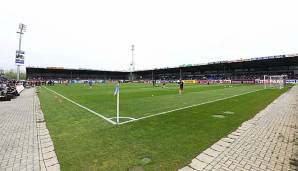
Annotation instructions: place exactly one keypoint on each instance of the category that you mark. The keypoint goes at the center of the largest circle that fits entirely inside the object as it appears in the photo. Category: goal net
(274, 81)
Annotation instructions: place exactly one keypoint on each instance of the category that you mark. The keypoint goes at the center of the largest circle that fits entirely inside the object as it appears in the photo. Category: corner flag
(117, 89)
(117, 92)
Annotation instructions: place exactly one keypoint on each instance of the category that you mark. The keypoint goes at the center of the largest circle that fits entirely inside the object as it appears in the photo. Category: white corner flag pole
(118, 101)
(117, 92)
(118, 107)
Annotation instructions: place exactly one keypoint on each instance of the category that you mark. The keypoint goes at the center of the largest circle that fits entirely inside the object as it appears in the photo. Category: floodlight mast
(21, 31)
(132, 62)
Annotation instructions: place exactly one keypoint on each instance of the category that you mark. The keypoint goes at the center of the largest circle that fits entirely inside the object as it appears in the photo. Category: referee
(180, 87)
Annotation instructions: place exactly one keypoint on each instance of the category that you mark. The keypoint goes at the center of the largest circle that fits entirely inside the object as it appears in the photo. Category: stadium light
(132, 62)
(132, 56)
(21, 30)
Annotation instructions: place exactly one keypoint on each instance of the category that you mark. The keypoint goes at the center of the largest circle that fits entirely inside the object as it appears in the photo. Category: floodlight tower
(132, 62)
(21, 30)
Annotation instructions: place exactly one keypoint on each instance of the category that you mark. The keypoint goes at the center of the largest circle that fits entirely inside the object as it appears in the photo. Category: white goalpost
(274, 81)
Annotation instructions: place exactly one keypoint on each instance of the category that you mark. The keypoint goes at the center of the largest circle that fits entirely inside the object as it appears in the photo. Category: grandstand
(246, 69)
(73, 74)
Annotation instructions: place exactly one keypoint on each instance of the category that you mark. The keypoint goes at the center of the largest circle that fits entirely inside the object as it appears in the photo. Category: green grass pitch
(84, 141)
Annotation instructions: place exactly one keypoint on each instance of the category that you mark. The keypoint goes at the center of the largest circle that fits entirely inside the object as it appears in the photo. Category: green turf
(84, 141)
(138, 100)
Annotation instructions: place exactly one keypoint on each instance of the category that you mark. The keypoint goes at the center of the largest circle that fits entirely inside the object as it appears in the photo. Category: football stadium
(139, 120)
(196, 93)
(157, 119)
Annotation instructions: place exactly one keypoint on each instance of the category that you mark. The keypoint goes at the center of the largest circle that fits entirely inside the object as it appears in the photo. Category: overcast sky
(99, 34)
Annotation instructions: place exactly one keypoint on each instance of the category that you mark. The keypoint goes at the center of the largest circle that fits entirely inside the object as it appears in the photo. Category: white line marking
(131, 118)
(103, 117)
(162, 113)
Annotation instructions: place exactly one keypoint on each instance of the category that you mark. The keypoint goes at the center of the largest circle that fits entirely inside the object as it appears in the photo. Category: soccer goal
(274, 81)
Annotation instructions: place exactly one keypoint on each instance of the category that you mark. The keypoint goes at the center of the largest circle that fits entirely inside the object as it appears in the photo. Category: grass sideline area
(84, 141)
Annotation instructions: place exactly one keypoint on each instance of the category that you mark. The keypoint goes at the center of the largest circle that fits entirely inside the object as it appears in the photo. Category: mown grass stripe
(81, 106)
(186, 107)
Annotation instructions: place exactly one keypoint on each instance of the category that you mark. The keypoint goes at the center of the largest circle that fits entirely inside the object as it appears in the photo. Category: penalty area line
(186, 107)
(81, 106)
